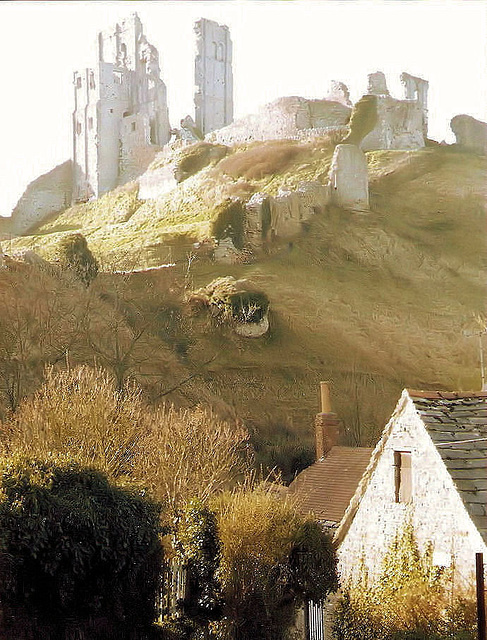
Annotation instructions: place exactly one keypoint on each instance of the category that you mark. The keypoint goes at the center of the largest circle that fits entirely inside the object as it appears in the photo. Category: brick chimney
(326, 424)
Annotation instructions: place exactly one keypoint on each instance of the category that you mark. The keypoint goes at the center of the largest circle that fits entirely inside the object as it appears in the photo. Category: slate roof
(457, 424)
(326, 487)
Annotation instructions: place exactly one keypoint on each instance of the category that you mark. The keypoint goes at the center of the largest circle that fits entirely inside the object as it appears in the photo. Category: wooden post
(479, 569)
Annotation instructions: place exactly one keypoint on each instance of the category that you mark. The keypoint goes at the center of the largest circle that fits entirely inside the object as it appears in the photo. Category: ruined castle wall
(285, 118)
(120, 107)
(281, 217)
(47, 194)
(213, 76)
(470, 133)
(349, 183)
(400, 125)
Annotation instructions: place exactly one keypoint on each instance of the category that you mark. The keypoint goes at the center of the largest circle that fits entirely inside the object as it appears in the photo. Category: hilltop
(372, 301)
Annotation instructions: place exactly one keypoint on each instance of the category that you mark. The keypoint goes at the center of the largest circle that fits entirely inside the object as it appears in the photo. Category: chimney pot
(326, 424)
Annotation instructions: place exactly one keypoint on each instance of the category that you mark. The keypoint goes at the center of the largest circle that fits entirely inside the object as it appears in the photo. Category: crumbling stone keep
(401, 124)
(120, 110)
(213, 76)
(470, 133)
(349, 182)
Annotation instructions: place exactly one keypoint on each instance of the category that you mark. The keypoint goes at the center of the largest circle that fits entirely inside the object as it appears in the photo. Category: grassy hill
(373, 302)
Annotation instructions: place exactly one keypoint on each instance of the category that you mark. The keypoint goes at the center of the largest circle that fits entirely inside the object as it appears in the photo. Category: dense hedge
(75, 553)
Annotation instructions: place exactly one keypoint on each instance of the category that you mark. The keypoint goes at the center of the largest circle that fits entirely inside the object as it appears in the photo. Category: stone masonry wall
(120, 105)
(349, 181)
(213, 76)
(280, 217)
(400, 125)
(47, 194)
(285, 118)
(470, 133)
(437, 511)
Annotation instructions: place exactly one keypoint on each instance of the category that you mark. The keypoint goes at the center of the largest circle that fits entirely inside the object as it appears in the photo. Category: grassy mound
(371, 302)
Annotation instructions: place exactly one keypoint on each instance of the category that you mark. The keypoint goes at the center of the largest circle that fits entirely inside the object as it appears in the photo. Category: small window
(78, 127)
(221, 51)
(402, 476)
(78, 82)
(90, 123)
(133, 126)
(215, 50)
(92, 80)
(110, 110)
(117, 76)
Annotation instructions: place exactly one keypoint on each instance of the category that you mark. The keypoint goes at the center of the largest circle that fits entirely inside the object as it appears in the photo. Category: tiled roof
(457, 424)
(327, 486)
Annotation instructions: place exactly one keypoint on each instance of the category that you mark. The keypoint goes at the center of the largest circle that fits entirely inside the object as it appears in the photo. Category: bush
(198, 547)
(363, 120)
(75, 552)
(272, 561)
(75, 255)
(229, 222)
(410, 599)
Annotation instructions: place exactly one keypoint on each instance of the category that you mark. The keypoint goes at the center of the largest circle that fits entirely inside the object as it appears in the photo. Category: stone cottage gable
(457, 424)
(408, 480)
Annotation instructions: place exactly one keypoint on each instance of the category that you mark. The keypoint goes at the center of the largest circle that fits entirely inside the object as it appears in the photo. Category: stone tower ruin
(213, 76)
(120, 109)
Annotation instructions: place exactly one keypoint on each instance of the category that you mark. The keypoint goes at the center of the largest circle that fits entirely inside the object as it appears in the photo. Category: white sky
(280, 48)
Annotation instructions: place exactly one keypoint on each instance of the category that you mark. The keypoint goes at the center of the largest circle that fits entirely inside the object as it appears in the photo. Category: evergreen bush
(77, 554)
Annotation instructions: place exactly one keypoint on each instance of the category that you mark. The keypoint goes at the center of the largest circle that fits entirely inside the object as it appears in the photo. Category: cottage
(430, 466)
(428, 469)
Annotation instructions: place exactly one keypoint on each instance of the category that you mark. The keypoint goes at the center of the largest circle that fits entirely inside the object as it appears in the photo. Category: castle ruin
(120, 109)
(213, 76)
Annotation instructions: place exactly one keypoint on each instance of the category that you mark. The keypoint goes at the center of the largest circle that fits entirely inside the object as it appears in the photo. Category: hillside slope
(373, 302)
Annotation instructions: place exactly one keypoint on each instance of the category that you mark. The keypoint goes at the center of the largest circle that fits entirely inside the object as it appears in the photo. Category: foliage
(80, 413)
(266, 571)
(363, 119)
(232, 300)
(198, 547)
(409, 599)
(177, 454)
(228, 222)
(192, 454)
(74, 550)
(75, 255)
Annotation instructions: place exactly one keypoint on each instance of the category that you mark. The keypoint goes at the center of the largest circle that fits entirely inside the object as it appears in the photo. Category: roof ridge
(445, 395)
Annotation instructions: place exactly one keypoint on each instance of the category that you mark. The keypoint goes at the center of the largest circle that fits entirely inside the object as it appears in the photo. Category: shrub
(410, 599)
(75, 256)
(176, 454)
(232, 300)
(363, 119)
(272, 560)
(75, 551)
(198, 547)
(80, 413)
(229, 222)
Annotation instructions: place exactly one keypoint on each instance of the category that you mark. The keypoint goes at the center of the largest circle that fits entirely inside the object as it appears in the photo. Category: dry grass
(260, 160)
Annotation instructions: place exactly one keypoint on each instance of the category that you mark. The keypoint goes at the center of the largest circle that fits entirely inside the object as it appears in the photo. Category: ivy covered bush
(230, 301)
(411, 599)
(75, 553)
